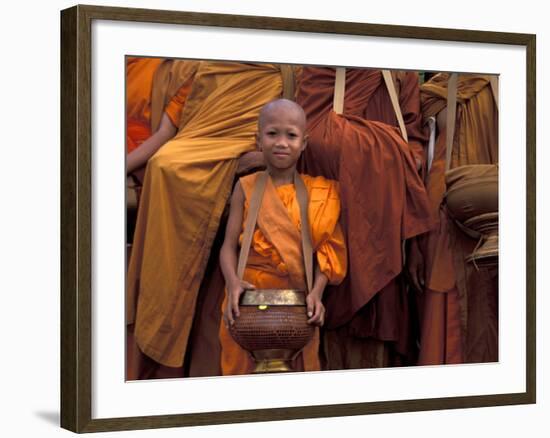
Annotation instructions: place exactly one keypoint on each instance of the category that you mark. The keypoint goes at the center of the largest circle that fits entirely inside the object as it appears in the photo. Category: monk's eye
(271, 133)
(292, 135)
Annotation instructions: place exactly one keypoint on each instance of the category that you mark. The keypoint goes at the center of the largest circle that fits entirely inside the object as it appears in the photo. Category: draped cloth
(187, 185)
(275, 259)
(459, 311)
(383, 203)
(154, 86)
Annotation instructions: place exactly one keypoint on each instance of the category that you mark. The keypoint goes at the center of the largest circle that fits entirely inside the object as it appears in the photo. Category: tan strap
(451, 117)
(386, 74)
(307, 250)
(289, 87)
(430, 151)
(339, 90)
(250, 224)
(251, 219)
(493, 80)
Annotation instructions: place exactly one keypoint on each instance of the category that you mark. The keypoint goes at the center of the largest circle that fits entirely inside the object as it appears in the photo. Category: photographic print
(374, 181)
(194, 149)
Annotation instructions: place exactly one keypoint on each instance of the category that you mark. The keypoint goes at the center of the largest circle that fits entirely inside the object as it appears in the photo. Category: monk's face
(281, 136)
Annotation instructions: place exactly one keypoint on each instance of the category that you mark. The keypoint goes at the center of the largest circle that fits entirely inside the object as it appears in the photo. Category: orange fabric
(275, 259)
(476, 129)
(377, 335)
(445, 324)
(383, 197)
(139, 84)
(136, 133)
(204, 352)
(142, 85)
(440, 325)
(276, 244)
(174, 109)
(186, 187)
(139, 366)
(140, 80)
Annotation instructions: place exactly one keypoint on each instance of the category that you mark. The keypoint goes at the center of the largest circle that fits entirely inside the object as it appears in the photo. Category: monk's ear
(257, 137)
(304, 142)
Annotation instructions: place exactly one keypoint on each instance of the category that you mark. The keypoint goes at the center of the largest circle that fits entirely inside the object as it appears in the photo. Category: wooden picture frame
(76, 217)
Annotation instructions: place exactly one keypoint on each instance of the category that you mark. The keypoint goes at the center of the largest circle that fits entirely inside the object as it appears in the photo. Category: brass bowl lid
(273, 297)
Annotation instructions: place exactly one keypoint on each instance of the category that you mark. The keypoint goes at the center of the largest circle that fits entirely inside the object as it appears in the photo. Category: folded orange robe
(459, 320)
(186, 187)
(383, 201)
(275, 259)
(146, 82)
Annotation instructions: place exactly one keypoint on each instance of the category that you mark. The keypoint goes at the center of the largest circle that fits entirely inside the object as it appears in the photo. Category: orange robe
(140, 89)
(383, 203)
(186, 188)
(154, 86)
(459, 313)
(275, 259)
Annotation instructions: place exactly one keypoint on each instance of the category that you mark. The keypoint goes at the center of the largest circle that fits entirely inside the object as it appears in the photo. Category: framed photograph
(97, 46)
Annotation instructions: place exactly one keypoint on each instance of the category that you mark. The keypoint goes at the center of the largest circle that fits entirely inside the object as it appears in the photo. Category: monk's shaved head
(286, 105)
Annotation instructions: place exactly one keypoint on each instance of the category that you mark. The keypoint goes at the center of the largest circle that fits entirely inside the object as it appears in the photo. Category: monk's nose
(281, 144)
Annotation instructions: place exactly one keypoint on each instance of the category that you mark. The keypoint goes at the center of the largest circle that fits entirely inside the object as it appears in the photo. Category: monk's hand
(249, 161)
(315, 309)
(234, 292)
(415, 266)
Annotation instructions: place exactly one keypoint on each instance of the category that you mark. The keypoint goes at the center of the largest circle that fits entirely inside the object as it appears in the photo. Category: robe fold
(459, 309)
(383, 203)
(154, 86)
(275, 259)
(187, 185)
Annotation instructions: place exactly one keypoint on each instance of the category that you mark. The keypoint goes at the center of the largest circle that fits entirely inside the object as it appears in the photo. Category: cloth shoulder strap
(339, 90)
(493, 80)
(451, 117)
(253, 209)
(451, 111)
(307, 250)
(390, 85)
(251, 219)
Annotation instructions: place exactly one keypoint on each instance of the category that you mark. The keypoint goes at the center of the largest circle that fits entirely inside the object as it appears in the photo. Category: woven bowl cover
(277, 327)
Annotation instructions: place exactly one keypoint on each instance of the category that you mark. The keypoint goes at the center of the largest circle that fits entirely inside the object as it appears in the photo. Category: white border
(111, 397)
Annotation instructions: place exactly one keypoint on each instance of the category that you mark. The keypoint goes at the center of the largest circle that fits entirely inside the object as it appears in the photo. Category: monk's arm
(415, 264)
(139, 156)
(320, 281)
(315, 307)
(228, 254)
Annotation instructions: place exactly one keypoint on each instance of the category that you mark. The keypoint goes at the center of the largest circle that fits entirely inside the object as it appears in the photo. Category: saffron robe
(186, 187)
(275, 259)
(383, 203)
(153, 86)
(459, 313)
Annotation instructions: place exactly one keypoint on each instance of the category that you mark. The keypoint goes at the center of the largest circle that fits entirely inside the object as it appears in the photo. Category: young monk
(275, 259)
